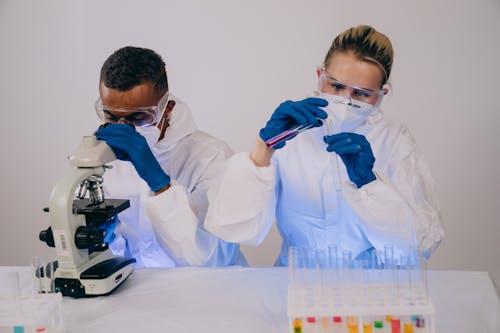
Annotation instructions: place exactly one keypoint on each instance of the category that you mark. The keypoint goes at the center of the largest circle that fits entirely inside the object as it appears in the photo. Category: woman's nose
(348, 92)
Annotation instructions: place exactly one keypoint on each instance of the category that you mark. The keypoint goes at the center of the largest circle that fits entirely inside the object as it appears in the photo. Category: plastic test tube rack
(331, 292)
(25, 307)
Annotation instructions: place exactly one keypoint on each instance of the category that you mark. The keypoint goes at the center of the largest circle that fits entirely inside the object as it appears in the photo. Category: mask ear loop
(164, 121)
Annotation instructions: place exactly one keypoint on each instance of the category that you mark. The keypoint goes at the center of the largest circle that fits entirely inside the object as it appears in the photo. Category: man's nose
(123, 120)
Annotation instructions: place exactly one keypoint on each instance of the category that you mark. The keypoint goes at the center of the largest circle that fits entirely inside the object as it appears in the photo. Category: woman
(352, 179)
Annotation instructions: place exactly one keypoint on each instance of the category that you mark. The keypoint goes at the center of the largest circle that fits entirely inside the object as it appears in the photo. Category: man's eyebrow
(109, 113)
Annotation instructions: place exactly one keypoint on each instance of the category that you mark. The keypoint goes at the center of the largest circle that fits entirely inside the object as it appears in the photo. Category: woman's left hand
(356, 153)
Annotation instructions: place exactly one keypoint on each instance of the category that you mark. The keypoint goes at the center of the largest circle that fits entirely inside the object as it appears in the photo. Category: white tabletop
(253, 300)
(237, 299)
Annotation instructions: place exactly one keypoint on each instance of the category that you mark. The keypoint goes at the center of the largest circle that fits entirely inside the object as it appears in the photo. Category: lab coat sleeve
(400, 206)
(242, 203)
(177, 218)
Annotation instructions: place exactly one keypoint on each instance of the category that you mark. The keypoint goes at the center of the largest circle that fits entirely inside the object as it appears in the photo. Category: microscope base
(100, 279)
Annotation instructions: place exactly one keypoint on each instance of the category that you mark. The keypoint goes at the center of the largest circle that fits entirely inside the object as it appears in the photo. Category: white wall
(234, 62)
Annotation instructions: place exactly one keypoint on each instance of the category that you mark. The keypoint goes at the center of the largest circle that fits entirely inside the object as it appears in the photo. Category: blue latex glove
(357, 155)
(128, 145)
(290, 114)
(109, 227)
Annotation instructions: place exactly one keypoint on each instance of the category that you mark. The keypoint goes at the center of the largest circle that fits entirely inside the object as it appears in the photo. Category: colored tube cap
(408, 328)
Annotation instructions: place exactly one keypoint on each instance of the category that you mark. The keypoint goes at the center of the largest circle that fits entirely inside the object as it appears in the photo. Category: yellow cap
(408, 328)
(353, 328)
(367, 328)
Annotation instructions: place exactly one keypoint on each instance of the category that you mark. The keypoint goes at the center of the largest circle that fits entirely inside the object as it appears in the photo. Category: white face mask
(150, 133)
(347, 114)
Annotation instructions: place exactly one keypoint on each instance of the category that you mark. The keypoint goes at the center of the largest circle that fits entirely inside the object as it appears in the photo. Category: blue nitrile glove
(128, 145)
(357, 155)
(109, 227)
(290, 114)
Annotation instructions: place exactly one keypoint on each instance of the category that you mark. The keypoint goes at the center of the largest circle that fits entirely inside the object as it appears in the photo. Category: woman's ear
(319, 71)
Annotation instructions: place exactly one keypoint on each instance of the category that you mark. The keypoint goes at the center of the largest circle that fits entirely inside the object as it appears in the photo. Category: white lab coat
(167, 230)
(301, 189)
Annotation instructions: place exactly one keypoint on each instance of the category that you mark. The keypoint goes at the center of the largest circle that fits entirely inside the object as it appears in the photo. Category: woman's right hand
(289, 114)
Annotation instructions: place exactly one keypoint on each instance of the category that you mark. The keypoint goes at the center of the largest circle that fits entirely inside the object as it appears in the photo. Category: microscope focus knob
(85, 238)
(47, 236)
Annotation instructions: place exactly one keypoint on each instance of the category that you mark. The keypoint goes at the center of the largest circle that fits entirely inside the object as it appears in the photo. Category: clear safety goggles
(331, 86)
(141, 116)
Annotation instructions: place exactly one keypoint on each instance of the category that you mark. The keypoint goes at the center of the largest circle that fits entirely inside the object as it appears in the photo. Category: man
(164, 166)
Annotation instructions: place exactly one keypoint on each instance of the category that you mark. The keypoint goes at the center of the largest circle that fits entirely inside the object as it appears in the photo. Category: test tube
(345, 278)
(324, 324)
(297, 325)
(389, 256)
(337, 325)
(346, 259)
(293, 263)
(378, 326)
(37, 274)
(352, 324)
(310, 326)
(287, 134)
(333, 261)
(395, 325)
(51, 288)
(408, 327)
(420, 325)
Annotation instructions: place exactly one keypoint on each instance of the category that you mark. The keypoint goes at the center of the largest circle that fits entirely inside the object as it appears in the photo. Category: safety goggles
(141, 116)
(329, 85)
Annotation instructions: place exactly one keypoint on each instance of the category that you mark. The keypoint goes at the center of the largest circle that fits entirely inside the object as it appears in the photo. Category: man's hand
(128, 145)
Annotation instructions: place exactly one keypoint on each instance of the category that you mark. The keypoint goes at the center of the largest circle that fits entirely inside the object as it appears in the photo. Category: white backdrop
(234, 62)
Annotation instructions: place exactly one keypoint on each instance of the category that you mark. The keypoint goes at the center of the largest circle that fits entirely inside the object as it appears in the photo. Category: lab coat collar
(181, 124)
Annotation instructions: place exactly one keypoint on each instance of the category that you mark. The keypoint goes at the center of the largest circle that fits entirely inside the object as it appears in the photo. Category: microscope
(85, 266)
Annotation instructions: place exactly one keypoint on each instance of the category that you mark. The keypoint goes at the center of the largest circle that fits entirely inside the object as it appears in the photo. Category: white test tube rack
(25, 307)
(328, 292)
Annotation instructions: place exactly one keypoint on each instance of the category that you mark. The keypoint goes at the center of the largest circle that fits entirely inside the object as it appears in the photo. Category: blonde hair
(367, 44)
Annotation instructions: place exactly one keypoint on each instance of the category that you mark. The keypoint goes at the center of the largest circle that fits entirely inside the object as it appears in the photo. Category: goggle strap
(164, 121)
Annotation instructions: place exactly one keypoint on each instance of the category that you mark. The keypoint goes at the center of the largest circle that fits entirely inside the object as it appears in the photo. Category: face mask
(347, 114)
(150, 133)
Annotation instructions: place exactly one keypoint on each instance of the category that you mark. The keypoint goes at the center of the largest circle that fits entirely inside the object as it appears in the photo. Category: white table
(253, 300)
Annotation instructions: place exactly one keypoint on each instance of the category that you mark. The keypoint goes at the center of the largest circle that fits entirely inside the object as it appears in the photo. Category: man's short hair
(131, 66)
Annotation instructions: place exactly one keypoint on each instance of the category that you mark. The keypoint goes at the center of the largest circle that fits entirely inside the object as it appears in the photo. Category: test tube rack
(38, 313)
(335, 294)
(24, 307)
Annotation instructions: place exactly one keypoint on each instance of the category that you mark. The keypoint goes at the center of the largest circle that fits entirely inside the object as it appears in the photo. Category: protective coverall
(315, 204)
(167, 230)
